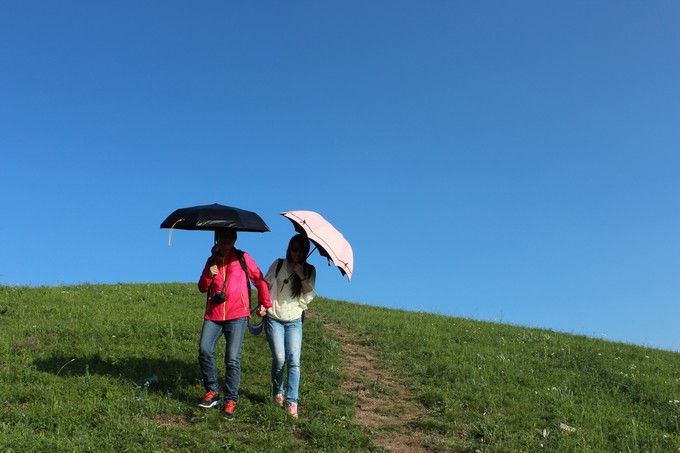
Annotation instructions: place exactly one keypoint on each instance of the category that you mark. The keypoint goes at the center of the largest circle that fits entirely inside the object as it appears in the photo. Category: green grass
(509, 388)
(71, 359)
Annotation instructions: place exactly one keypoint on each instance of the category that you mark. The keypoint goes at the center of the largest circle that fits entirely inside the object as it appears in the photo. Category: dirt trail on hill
(386, 406)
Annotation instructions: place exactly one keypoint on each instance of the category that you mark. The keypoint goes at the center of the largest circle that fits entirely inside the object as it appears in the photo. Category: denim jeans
(285, 342)
(234, 331)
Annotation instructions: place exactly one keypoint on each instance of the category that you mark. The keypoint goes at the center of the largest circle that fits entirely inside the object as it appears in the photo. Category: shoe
(292, 409)
(278, 400)
(229, 409)
(210, 399)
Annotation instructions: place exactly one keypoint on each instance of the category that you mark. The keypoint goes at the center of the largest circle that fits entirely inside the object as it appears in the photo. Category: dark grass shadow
(255, 398)
(175, 377)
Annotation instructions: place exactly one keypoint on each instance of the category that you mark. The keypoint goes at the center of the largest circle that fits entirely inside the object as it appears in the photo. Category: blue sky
(502, 161)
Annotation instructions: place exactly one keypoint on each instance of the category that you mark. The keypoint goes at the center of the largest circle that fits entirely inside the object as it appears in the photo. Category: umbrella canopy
(329, 241)
(214, 217)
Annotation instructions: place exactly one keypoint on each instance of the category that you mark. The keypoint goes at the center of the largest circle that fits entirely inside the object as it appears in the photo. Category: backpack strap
(242, 261)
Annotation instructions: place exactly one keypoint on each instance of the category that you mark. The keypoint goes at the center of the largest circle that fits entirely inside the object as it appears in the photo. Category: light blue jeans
(234, 331)
(285, 342)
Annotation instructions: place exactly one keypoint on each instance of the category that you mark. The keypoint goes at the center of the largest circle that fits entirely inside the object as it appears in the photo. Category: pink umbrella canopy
(329, 241)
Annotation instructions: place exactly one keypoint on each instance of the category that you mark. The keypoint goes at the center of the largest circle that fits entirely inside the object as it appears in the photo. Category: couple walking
(283, 293)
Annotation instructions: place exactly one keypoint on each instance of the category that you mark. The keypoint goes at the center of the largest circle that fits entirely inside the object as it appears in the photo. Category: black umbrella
(215, 217)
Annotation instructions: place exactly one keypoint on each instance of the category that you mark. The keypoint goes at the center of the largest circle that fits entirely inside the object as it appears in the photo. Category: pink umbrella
(329, 241)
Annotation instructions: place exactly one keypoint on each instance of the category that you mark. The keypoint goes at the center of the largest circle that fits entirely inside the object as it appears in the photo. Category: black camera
(219, 298)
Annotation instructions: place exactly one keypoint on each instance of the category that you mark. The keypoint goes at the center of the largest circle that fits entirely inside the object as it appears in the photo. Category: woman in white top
(291, 286)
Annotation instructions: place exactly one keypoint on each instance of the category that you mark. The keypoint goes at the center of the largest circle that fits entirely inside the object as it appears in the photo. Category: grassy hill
(71, 359)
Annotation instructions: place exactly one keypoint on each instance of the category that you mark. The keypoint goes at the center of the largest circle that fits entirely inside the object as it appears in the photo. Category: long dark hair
(299, 241)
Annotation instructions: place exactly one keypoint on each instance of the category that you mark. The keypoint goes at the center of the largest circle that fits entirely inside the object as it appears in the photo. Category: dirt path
(386, 406)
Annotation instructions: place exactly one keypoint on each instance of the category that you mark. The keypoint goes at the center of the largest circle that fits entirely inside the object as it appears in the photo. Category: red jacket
(236, 304)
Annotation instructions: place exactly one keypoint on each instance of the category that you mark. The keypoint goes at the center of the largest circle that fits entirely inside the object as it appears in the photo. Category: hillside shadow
(175, 377)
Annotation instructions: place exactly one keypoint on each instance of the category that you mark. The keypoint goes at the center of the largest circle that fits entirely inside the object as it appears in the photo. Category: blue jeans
(234, 331)
(285, 342)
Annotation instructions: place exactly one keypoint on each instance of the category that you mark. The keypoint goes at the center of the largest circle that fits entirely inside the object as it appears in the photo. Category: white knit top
(285, 307)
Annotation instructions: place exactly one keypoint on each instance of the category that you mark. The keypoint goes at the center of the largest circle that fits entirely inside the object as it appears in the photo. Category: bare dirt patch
(386, 405)
(172, 421)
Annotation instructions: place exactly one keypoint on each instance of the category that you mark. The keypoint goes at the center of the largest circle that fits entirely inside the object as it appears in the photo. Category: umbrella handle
(310, 252)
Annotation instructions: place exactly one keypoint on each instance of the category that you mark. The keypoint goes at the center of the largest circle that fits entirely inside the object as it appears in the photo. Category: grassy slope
(70, 358)
(120, 334)
(502, 386)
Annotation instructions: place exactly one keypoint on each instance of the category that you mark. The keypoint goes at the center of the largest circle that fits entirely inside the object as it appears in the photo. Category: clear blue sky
(503, 161)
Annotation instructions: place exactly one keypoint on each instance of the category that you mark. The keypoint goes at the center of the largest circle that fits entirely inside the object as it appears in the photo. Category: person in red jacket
(226, 313)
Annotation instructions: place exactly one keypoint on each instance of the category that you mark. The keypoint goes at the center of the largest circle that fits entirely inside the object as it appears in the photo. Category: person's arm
(207, 279)
(307, 281)
(256, 277)
(308, 286)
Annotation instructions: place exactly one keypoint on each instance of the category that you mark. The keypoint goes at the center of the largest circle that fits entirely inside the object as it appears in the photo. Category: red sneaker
(229, 409)
(278, 400)
(210, 399)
